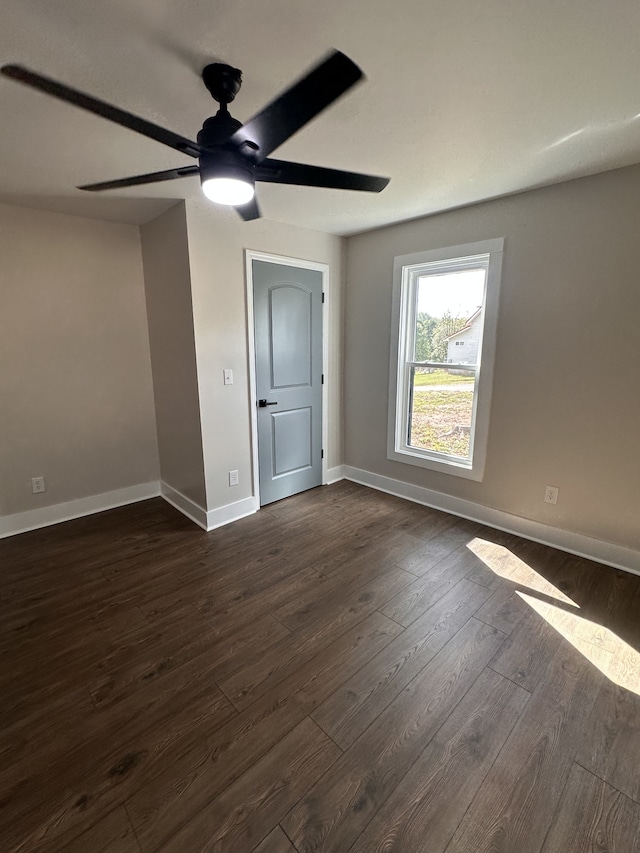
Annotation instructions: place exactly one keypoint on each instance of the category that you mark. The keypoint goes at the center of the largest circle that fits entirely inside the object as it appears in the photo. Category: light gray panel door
(287, 303)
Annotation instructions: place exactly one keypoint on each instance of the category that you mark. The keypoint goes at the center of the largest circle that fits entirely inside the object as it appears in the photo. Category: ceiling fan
(232, 156)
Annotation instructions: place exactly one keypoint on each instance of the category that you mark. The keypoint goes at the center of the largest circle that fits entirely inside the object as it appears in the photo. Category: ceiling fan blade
(250, 210)
(93, 105)
(298, 105)
(283, 172)
(151, 178)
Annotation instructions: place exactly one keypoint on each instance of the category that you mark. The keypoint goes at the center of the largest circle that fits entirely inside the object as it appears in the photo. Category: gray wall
(173, 357)
(217, 241)
(570, 285)
(76, 399)
(81, 366)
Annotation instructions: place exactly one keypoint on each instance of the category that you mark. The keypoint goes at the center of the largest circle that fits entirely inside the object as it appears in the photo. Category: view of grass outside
(441, 411)
(440, 377)
(442, 398)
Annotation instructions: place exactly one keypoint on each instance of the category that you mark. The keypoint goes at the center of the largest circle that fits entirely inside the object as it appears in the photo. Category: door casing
(251, 256)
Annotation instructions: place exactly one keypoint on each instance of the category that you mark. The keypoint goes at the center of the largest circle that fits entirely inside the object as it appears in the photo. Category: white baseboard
(214, 517)
(22, 522)
(334, 474)
(574, 543)
(32, 519)
(231, 512)
(185, 505)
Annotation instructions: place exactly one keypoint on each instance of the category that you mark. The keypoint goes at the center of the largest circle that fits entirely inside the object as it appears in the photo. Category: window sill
(455, 469)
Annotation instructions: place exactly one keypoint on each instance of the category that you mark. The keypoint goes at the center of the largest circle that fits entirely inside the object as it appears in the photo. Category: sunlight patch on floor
(504, 562)
(617, 660)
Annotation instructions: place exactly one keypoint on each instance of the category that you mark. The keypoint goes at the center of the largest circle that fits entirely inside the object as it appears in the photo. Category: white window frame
(407, 269)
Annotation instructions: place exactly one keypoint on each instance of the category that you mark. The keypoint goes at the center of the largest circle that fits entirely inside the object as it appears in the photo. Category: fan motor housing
(226, 164)
(217, 130)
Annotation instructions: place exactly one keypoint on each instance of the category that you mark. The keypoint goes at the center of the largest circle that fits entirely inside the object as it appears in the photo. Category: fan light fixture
(228, 191)
(226, 178)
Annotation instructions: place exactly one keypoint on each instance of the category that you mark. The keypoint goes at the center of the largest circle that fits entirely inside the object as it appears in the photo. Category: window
(440, 395)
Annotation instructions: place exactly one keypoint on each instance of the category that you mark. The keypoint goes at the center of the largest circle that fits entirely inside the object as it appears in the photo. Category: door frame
(250, 255)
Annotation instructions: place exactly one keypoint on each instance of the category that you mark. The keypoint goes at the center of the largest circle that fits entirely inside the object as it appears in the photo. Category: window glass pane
(448, 316)
(440, 411)
(445, 306)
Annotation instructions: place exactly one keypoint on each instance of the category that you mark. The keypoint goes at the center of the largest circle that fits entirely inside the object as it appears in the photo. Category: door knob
(263, 403)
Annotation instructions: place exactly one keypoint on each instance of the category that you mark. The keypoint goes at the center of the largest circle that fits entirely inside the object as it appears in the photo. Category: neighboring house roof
(466, 327)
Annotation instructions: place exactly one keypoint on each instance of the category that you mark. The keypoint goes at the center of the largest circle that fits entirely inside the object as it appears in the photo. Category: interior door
(287, 304)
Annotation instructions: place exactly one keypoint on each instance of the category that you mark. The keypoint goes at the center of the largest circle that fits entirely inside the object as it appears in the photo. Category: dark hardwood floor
(343, 671)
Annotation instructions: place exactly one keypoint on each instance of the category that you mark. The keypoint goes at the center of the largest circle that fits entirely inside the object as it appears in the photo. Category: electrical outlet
(37, 485)
(551, 494)
(233, 478)
(228, 376)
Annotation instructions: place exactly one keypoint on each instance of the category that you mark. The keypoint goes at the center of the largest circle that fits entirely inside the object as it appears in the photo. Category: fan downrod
(222, 81)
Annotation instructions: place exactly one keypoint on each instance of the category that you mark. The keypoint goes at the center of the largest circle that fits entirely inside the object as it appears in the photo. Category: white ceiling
(463, 101)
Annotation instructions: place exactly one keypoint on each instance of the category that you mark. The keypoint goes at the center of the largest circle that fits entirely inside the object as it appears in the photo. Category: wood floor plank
(283, 581)
(44, 723)
(425, 809)
(611, 746)
(151, 660)
(96, 731)
(504, 610)
(423, 522)
(190, 782)
(336, 616)
(501, 557)
(304, 609)
(622, 606)
(85, 641)
(112, 834)
(166, 803)
(275, 842)
(455, 536)
(593, 816)
(227, 616)
(49, 616)
(515, 805)
(102, 773)
(341, 804)
(258, 799)
(409, 604)
(505, 561)
(369, 543)
(350, 710)
(346, 607)
(106, 613)
(524, 656)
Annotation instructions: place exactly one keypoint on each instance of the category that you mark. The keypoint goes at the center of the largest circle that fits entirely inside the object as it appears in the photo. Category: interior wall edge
(208, 519)
(190, 509)
(616, 556)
